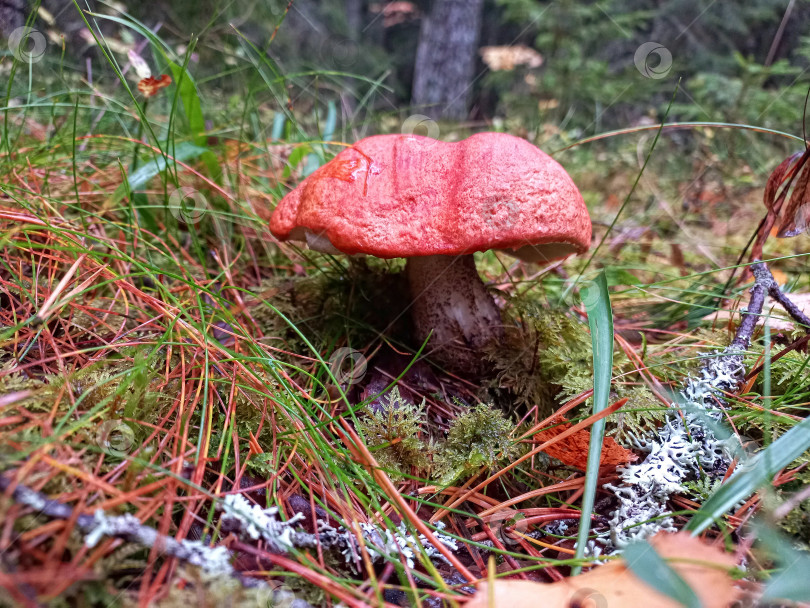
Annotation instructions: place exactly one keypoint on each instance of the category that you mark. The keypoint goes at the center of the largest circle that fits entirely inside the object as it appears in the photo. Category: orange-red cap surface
(407, 195)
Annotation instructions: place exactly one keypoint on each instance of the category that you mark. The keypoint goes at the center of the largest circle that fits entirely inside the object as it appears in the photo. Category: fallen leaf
(793, 172)
(573, 450)
(499, 58)
(395, 13)
(704, 567)
(150, 86)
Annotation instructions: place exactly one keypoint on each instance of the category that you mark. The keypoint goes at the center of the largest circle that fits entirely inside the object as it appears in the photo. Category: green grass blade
(754, 475)
(651, 568)
(600, 319)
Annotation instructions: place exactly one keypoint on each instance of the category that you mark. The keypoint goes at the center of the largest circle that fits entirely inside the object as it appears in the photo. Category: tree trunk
(354, 18)
(12, 16)
(445, 58)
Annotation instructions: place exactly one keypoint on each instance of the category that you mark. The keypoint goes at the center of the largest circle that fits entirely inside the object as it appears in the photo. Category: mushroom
(436, 203)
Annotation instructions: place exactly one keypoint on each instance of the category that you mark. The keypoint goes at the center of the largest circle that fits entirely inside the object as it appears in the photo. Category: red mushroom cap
(406, 195)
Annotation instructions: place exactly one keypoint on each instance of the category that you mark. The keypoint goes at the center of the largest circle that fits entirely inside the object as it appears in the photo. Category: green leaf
(331, 122)
(596, 298)
(187, 91)
(278, 127)
(754, 474)
(651, 568)
(296, 156)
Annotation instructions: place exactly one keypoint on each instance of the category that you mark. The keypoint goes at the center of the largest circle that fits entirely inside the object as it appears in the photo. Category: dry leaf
(395, 13)
(150, 86)
(499, 58)
(703, 567)
(791, 224)
(794, 169)
(573, 450)
(139, 65)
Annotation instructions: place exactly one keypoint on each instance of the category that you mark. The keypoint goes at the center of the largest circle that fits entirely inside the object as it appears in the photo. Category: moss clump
(483, 436)
(480, 437)
(392, 433)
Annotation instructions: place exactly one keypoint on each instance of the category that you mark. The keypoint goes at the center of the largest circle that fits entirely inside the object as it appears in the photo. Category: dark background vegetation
(737, 62)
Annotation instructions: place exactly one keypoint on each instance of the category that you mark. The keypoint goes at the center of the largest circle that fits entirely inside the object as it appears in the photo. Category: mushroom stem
(448, 297)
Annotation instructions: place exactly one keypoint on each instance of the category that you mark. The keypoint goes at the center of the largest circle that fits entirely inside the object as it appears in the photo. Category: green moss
(480, 437)
(398, 436)
(392, 433)
(642, 412)
(701, 489)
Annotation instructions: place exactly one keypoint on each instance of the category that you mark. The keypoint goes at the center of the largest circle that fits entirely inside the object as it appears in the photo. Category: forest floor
(160, 351)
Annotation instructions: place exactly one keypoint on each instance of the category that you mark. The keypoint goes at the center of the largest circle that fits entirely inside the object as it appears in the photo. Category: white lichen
(211, 560)
(685, 448)
(257, 523)
(261, 523)
(390, 544)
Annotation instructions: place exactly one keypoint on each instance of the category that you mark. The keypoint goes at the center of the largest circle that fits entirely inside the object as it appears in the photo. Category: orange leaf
(150, 86)
(573, 450)
(702, 566)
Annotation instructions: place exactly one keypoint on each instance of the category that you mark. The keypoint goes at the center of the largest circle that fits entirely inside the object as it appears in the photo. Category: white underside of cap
(321, 243)
(538, 254)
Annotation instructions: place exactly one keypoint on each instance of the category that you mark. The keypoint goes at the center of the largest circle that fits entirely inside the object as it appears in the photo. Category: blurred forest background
(573, 64)
(560, 74)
